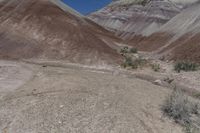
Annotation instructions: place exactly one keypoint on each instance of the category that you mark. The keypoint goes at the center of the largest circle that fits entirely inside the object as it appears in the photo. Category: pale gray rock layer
(127, 18)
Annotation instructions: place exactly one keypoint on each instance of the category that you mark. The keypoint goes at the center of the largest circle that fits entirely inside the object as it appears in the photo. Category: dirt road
(36, 99)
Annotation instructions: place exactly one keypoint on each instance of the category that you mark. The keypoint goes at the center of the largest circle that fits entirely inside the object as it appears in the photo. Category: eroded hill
(178, 39)
(130, 18)
(48, 29)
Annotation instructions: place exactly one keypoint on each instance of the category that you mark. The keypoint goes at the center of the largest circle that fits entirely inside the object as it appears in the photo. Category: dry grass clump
(182, 110)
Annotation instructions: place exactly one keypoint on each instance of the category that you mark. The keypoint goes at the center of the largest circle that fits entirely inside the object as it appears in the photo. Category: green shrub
(144, 2)
(124, 50)
(134, 64)
(133, 50)
(128, 62)
(185, 66)
(155, 67)
(196, 95)
(139, 62)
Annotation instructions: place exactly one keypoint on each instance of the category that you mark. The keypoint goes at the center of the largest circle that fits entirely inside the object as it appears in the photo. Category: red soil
(188, 50)
(150, 43)
(187, 47)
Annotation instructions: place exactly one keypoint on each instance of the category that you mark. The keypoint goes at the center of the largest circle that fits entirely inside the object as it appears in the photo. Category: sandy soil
(40, 99)
(189, 81)
(12, 76)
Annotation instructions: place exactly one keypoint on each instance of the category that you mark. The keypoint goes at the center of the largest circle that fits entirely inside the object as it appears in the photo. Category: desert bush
(189, 129)
(139, 63)
(127, 62)
(178, 107)
(144, 2)
(133, 63)
(155, 67)
(133, 50)
(162, 58)
(124, 50)
(185, 66)
(196, 95)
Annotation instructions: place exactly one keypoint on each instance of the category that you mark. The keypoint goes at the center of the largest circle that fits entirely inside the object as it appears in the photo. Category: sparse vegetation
(190, 129)
(162, 58)
(155, 67)
(169, 80)
(127, 50)
(131, 60)
(134, 64)
(185, 66)
(124, 50)
(140, 62)
(133, 50)
(144, 2)
(127, 62)
(180, 108)
(196, 95)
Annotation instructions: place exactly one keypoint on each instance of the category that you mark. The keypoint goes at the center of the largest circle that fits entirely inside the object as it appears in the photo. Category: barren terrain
(60, 72)
(54, 99)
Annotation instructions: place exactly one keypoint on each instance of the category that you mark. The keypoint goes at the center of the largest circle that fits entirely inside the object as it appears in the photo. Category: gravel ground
(40, 99)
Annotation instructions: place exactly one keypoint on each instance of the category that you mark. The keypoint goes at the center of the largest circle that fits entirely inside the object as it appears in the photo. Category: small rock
(115, 73)
(61, 106)
(158, 82)
(136, 56)
(169, 80)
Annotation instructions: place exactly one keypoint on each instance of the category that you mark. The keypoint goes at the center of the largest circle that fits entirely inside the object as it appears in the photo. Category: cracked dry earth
(36, 99)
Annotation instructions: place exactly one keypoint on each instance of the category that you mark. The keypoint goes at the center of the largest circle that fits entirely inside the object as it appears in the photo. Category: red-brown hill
(48, 29)
(178, 39)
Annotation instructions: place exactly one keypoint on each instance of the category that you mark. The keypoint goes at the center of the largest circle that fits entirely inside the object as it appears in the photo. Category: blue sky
(86, 6)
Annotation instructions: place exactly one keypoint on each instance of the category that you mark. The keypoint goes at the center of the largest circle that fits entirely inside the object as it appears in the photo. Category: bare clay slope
(178, 39)
(128, 18)
(48, 29)
(185, 43)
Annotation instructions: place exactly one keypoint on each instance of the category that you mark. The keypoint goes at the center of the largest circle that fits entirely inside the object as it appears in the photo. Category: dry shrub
(182, 110)
(185, 66)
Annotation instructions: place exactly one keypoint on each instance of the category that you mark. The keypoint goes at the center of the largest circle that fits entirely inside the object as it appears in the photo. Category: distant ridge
(127, 18)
